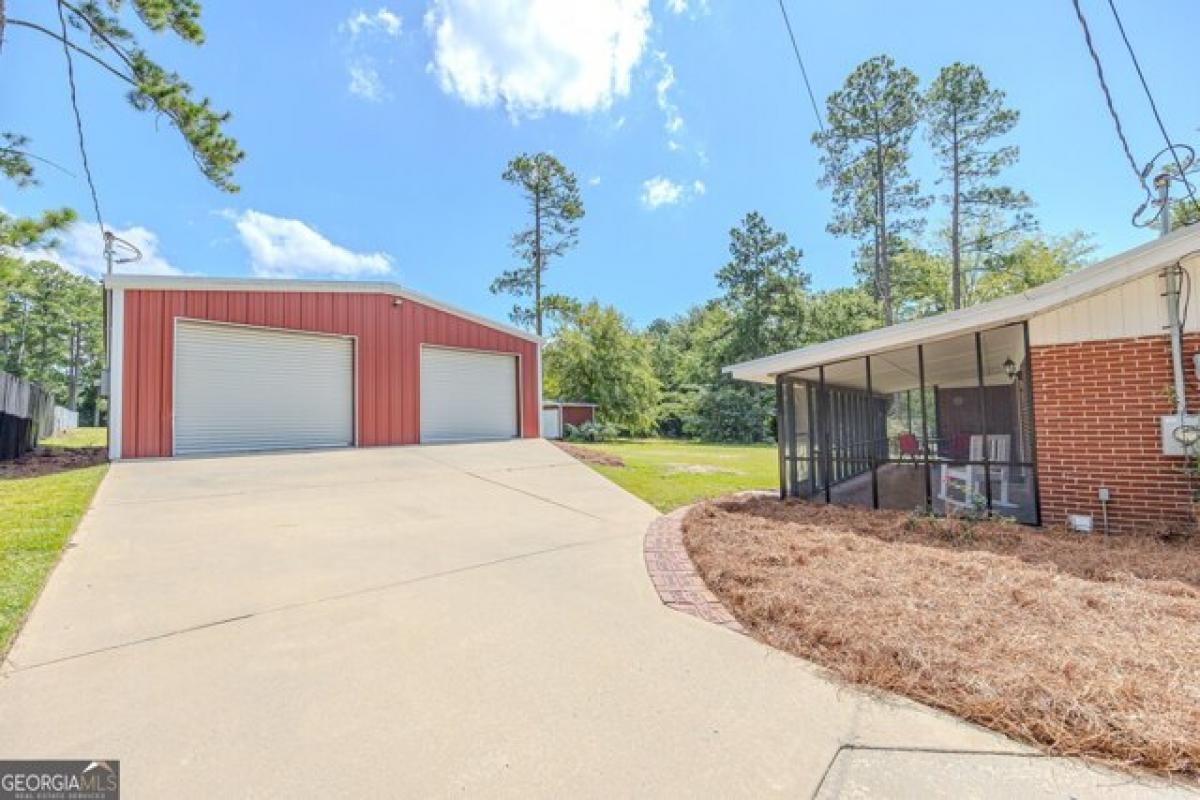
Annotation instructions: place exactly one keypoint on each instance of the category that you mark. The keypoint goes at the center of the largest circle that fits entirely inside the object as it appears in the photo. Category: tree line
(51, 327)
(666, 379)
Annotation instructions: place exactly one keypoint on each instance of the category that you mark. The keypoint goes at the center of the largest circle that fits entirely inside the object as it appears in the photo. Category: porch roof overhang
(1119, 269)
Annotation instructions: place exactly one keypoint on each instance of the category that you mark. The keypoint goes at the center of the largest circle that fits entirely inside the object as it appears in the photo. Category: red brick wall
(1097, 407)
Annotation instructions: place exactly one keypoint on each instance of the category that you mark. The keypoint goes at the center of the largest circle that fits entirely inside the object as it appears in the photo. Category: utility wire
(87, 169)
(1154, 106)
(1112, 110)
(803, 72)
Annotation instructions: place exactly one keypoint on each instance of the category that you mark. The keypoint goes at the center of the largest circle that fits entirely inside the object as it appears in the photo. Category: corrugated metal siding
(245, 388)
(388, 369)
(577, 415)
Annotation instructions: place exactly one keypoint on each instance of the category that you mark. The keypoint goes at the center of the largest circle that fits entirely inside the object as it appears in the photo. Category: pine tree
(555, 207)
(965, 116)
(114, 48)
(871, 121)
(764, 290)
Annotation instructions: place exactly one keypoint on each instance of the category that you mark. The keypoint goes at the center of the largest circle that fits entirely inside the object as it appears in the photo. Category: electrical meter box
(1180, 440)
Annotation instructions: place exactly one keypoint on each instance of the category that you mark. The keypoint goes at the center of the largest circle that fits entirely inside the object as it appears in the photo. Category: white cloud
(672, 119)
(365, 81)
(573, 56)
(659, 191)
(382, 21)
(282, 248)
(80, 249)
(360, 28)
(594, 180)
(681, 7)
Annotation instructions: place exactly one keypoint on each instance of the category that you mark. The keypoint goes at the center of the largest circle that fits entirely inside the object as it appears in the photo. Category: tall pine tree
(871, 122)
(555, 207)
(764, 290)
(965, 117)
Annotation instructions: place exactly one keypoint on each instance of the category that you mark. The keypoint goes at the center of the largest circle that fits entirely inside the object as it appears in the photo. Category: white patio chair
(960, 484)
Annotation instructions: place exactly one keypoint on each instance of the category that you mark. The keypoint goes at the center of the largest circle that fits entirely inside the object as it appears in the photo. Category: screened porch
(944, 426)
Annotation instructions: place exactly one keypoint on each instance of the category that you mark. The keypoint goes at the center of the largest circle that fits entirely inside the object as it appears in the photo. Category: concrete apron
(468, 619)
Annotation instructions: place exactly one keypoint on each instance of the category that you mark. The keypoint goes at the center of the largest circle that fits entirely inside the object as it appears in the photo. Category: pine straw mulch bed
(50, 460)
(1086, 646)
(590, 455)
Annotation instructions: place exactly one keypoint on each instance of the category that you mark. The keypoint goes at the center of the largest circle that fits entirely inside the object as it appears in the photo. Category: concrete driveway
(460, 620)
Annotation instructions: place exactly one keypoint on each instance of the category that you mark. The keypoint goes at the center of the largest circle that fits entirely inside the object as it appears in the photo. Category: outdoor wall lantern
(1010, 369)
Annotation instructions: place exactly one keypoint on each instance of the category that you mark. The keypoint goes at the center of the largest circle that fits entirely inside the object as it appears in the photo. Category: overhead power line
(1154, 106)
(1112, 109)
(87, 169)
(803, 72)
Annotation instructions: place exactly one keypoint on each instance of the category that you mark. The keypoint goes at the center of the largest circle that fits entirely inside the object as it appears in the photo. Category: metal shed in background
(558, 414)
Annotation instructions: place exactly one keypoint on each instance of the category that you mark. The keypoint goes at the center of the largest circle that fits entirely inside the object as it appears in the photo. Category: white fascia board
(1122, 268)
(540, 405)
(116, 375)
(187, 283)
(565, 403)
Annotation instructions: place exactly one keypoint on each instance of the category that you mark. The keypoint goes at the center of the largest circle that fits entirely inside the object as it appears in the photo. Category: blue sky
(376, 134)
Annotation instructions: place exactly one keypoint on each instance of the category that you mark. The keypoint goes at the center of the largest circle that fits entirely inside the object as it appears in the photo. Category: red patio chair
(909, 446)
(960, 446)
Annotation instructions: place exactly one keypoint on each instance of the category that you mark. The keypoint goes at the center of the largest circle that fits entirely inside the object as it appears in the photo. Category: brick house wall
(1096, 408)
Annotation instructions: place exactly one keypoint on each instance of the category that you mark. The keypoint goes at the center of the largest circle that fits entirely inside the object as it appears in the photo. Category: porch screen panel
(958, 444)
(899, 429)
(849, 433)
(1009, 423)
(800, 449)
(804, 445)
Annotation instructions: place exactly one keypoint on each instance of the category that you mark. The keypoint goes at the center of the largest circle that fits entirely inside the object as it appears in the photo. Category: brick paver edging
(674, 575)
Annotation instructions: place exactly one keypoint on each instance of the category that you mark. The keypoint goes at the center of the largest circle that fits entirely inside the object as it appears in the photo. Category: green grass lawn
(37, 516)
(669, 474)
(78, 437)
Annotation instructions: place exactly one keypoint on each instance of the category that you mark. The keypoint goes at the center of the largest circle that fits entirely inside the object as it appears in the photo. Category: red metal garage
(225, 364)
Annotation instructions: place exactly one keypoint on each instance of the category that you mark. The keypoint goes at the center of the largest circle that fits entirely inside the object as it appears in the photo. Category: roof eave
(1107, 274)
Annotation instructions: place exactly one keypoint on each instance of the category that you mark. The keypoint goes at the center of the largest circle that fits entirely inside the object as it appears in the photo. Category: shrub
(591, 432)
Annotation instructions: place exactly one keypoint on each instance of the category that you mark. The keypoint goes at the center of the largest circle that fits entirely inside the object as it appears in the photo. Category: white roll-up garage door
(467, 395)
(242, 389)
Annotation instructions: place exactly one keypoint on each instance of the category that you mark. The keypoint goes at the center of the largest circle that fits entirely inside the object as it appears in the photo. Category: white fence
(26, 413)
(64, 420)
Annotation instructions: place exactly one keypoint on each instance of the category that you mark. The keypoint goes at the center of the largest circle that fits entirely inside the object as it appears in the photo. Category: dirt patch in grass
(1086, 646)
(699, 469)
(51, 460)
(589, 455)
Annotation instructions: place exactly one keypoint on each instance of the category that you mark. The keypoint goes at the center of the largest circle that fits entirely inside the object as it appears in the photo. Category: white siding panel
(467, 395)
(245, 389)
(1136, 308)
(552, 423)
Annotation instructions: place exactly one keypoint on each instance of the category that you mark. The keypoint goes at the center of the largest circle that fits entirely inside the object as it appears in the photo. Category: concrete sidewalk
(461, 620)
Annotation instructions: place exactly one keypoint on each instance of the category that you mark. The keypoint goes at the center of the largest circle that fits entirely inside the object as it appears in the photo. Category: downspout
(1174, 323)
